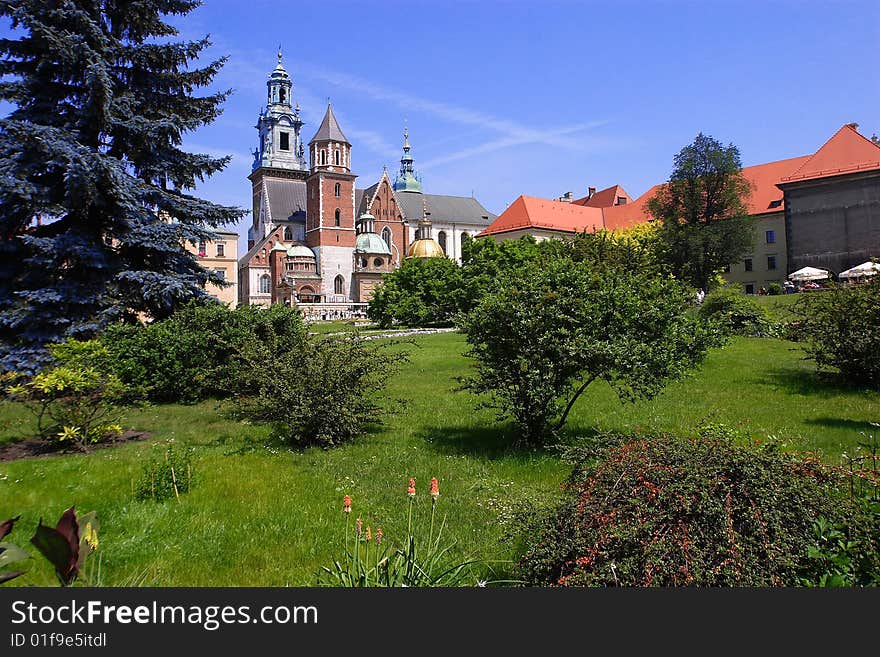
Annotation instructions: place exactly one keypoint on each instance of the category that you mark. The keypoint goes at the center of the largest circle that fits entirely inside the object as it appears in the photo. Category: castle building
(315, 237)
(820, 210)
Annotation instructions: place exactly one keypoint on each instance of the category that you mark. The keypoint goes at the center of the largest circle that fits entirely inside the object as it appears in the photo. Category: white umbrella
(808, 274)
(865, 269)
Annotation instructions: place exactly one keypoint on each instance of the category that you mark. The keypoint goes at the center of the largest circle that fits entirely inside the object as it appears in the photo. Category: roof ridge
(805, 166)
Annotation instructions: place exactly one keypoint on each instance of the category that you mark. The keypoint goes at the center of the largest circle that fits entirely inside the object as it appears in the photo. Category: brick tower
(330, 220)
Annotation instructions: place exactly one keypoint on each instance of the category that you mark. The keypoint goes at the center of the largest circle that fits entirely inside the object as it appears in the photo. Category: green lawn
(267, 516)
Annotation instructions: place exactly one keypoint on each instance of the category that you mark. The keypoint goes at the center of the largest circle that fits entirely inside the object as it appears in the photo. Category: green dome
(371, 243)
(279, 247)
(407, 183)
(300, 251)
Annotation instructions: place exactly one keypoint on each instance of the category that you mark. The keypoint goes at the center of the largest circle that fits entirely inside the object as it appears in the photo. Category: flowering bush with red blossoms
(664, 511)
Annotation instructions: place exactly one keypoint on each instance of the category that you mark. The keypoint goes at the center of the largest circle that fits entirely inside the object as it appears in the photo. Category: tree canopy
(548, 331)
(94, 181)
(702, 211)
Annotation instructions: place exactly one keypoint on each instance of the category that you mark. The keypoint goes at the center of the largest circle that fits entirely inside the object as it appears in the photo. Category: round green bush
(665, 511)
(737, 313)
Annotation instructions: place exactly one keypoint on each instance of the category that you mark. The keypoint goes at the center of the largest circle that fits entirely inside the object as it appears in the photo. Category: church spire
(407, 179)
(279, 124)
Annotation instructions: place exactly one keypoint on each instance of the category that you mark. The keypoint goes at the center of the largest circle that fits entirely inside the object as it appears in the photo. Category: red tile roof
(532, 212)
(605, 198)
(846, 152)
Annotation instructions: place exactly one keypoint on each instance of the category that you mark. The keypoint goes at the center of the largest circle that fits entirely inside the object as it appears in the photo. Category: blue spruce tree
(94, 202)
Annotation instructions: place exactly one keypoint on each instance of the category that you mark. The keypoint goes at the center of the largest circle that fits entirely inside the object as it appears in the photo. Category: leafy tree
(422, 292)
(547, 332)
(841, 327)
(702, 211)
(92, 168)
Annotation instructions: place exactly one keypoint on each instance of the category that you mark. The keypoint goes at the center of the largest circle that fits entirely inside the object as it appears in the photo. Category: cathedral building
(317, 238)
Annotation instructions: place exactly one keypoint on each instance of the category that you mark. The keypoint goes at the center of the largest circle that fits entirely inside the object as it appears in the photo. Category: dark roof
(329, 130)
(361, 196)
(448, 209)
(287, 199)
(225, 231)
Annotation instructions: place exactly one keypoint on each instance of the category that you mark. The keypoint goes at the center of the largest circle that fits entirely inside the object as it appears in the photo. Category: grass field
(266, 516)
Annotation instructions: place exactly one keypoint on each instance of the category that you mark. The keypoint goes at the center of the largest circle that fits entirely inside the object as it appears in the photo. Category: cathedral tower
(407, 179)
(330, 227)
(279, 161)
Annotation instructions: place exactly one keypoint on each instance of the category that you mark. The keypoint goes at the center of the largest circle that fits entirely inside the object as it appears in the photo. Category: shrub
(737, 314)
(74, 400)
(322, 394)
(422, 292)
(548, 331)
(841, 327)
(774, 289)
(194, 354)
(169, 475)
(664, 511)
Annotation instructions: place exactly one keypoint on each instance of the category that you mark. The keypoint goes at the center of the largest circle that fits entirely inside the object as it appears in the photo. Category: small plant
(12, 557)
(67, 545)
(774, 289)
(74, 401)
(372, 561)
(169, 475)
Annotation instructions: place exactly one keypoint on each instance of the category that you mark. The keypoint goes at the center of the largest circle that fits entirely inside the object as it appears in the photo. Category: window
(771, 262)
(364, 263)
(441, 240)
(771, 236)
(336, 157)
(386, 235)
(203, 248)
(336, 218)
(323, 157)
(265, 284)
(377, 262)
(748, 264)
(621, 200)
(285, 141)
(337, 190)
(338, 285)
(282, 96)
(221, 272)
(288, 233)
(750, 288)
(464, 238)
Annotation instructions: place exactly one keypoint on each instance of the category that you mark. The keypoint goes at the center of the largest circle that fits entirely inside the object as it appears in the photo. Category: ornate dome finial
(280, 54)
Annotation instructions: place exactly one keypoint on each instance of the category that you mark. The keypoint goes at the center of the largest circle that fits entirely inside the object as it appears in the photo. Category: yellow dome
(425, 249)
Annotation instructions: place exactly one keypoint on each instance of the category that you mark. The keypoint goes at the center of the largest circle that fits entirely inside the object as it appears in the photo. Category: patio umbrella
(865, 269)
(808, 274)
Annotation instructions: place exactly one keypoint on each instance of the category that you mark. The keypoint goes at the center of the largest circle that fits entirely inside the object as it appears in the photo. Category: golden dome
(427, 248)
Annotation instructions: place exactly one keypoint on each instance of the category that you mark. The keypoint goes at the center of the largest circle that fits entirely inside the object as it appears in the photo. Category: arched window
(386, 235)
(377, 262)
(339, 285)
(282, 95)
(288, 233)
(464, 238)
(336, 217)
(441, 240)
(337, 189)
(336, 157)
(265, 284)
(323, 156)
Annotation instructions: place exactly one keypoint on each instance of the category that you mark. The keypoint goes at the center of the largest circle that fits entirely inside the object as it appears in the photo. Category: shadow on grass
(493, 442)
(851, 425)
(822, 384)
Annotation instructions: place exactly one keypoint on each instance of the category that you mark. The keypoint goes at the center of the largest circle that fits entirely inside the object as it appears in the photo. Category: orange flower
(411, 491)
(368, 534)
(346, 504)
(379, 535)
(435, 488)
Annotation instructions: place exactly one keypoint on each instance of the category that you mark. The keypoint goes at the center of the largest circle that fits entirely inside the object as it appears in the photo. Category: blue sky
(540, 98)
